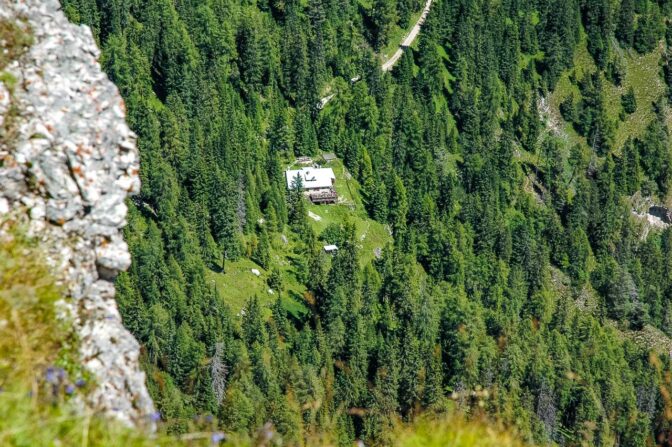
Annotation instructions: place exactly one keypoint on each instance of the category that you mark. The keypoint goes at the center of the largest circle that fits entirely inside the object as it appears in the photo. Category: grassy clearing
(583, 65)
(366, 4)
(238, 284)
(446, 76)
(649, 338)
(370, 234)
(642, 73)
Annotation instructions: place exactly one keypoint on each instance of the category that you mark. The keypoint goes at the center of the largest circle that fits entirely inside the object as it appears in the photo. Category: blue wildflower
(217, 437)
(80, 383)
(208, 418)
(155, 417)
(54, 375)
(69, 389)
(50, 376)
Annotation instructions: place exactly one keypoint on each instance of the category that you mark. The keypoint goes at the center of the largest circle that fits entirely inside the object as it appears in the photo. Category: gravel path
(392, 61)
(408, 40)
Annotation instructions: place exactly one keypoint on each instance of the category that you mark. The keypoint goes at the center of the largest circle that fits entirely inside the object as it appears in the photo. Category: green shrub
(15, 38)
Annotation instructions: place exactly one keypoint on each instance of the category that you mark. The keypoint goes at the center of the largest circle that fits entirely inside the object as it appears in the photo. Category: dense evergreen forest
(505, 153)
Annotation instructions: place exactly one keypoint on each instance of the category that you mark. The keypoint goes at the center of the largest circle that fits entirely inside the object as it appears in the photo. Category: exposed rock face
(67, 162)
(661, 213)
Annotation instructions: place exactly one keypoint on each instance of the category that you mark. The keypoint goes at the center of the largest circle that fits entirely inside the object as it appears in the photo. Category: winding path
(392, 61)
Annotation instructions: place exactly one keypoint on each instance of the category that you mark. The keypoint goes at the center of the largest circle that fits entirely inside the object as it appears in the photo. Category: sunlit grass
(642, 73)
(237, 284)
(456, 431)
(371, 235)
(42, 388)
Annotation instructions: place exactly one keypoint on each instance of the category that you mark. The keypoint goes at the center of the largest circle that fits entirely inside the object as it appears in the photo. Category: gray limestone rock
(66, 167)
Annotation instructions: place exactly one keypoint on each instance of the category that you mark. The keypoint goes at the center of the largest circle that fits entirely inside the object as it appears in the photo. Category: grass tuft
(15, 39)
(41, 394)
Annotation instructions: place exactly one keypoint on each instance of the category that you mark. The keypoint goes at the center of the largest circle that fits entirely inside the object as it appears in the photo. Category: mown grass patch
(371, 235)
(237, 284)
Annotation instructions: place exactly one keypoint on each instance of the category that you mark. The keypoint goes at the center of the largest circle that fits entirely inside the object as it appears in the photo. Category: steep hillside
(486, 237)
(639, 72)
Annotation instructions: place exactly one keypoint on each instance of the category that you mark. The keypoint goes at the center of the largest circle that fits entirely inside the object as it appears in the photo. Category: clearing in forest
(237, 284)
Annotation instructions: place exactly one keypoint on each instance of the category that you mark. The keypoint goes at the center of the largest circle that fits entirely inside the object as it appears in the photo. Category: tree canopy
(516, 267)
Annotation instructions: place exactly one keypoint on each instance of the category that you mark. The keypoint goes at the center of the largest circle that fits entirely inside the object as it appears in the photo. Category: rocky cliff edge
(67, 163)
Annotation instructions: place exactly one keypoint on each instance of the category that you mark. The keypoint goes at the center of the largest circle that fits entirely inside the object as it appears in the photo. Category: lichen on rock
(66, 166)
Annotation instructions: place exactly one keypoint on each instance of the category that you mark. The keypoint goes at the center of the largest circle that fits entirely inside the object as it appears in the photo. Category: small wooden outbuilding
(330, 249)
(329, 156)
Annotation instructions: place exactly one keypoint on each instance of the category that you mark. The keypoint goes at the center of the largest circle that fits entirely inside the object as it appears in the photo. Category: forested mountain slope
(502, 152)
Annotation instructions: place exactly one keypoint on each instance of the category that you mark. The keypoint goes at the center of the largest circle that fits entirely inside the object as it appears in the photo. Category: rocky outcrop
(662, 213)
(67, 162)
(653, 217)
